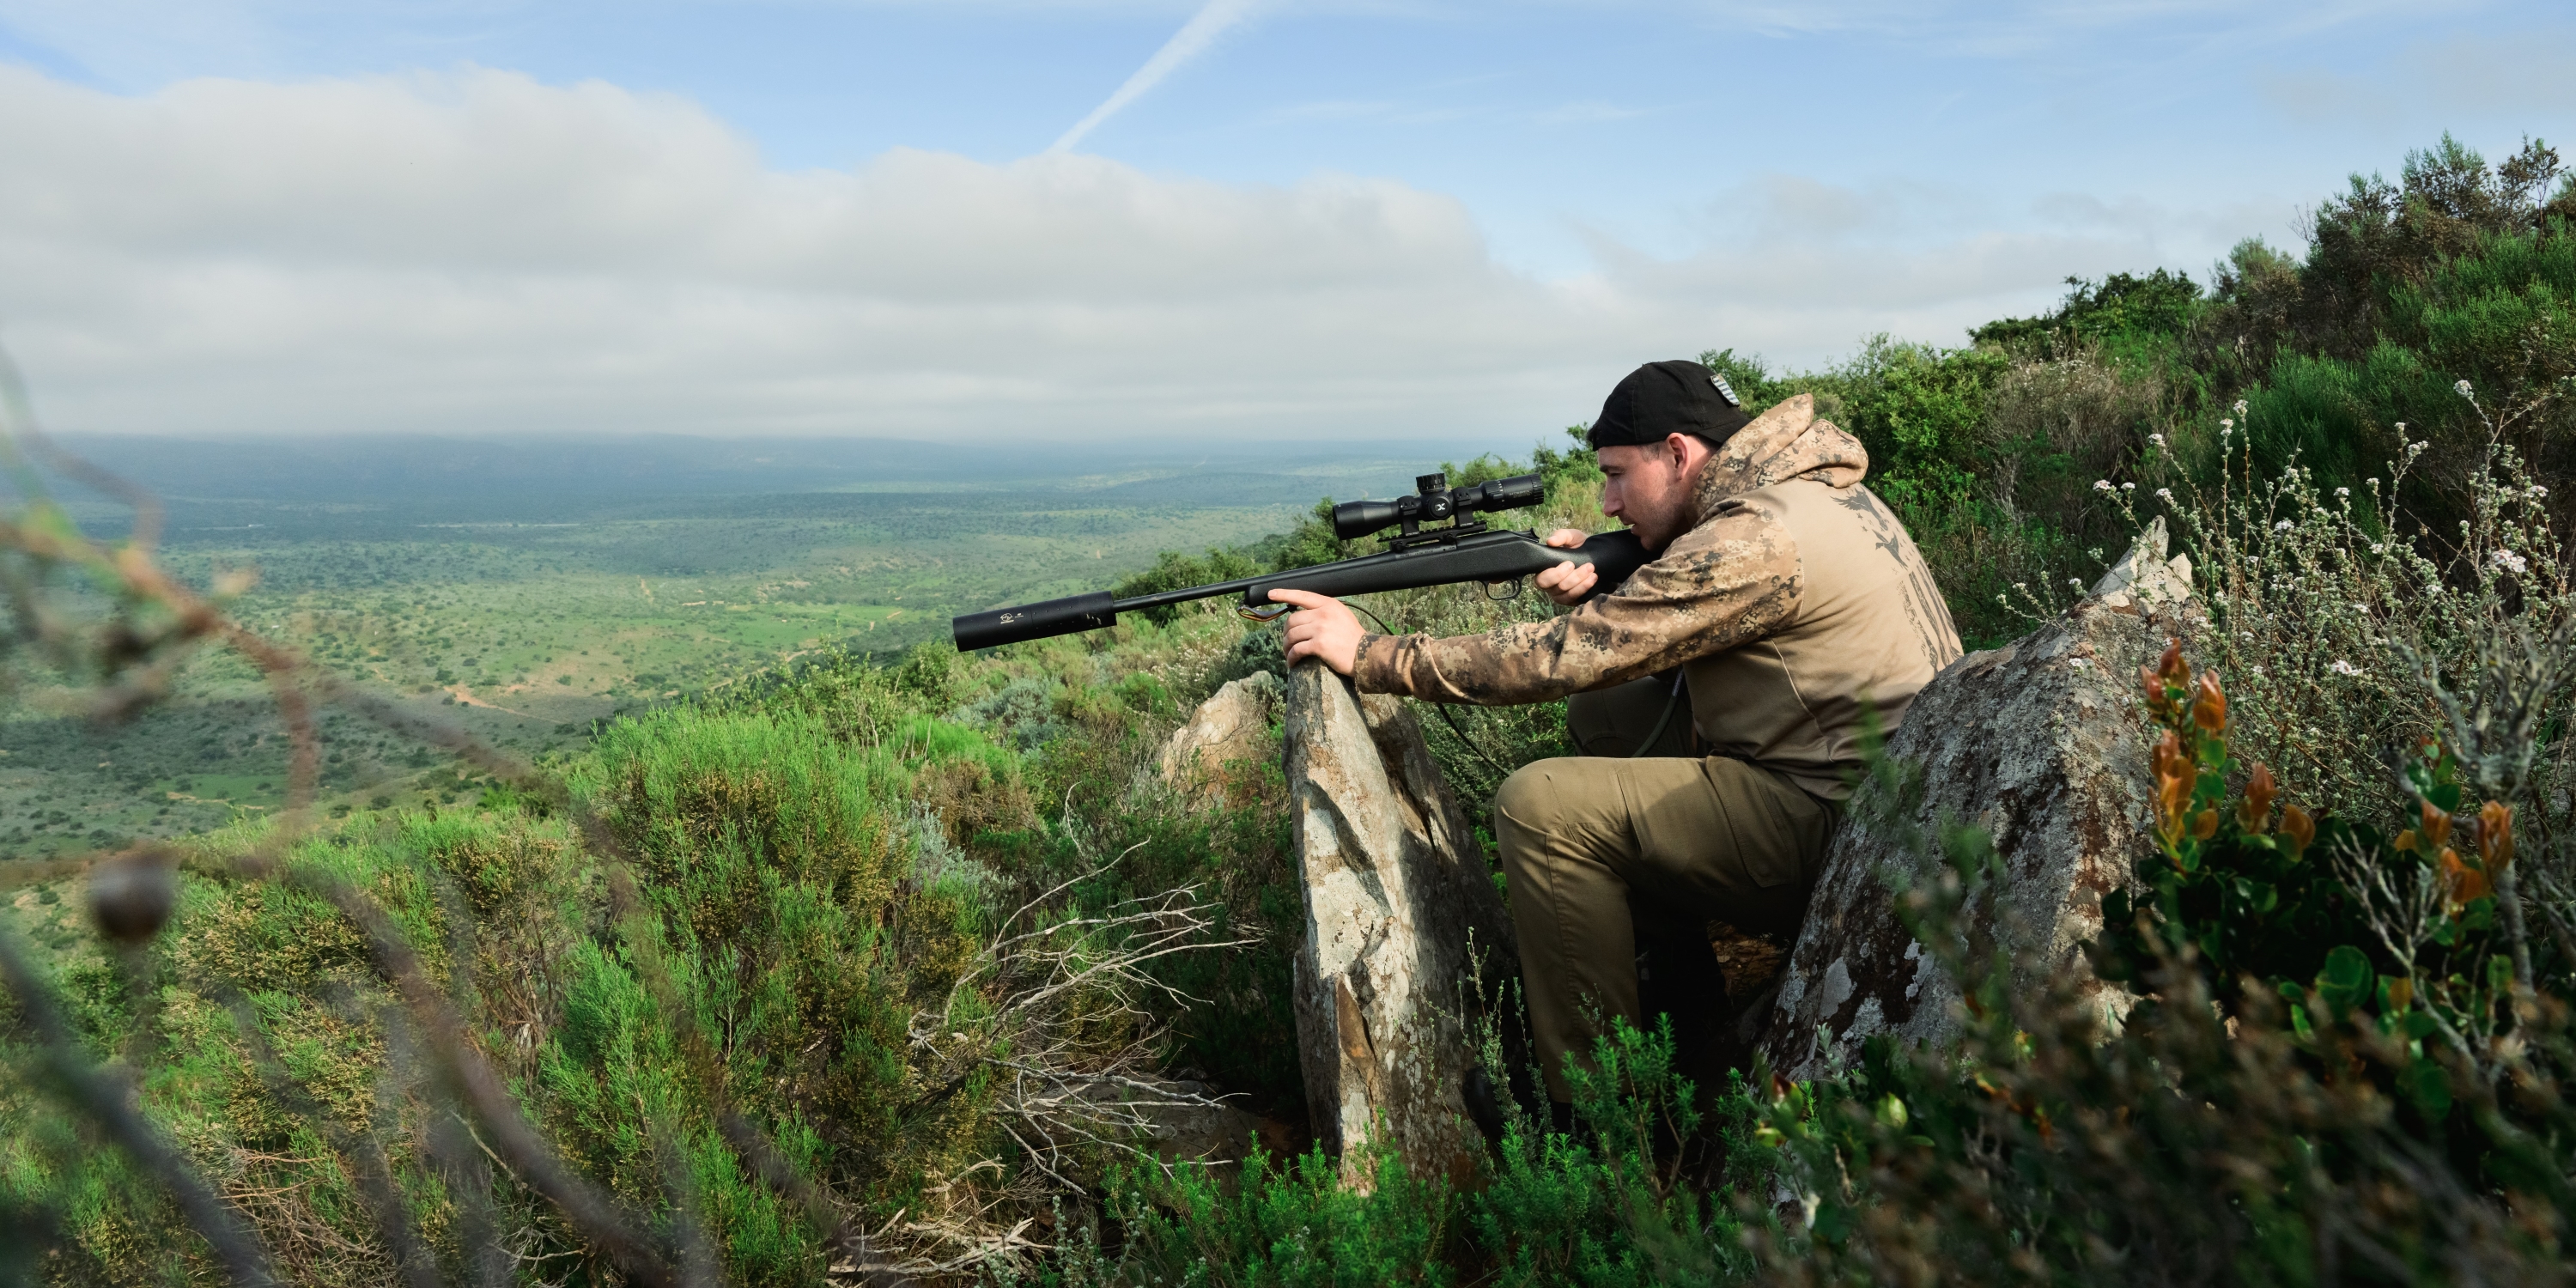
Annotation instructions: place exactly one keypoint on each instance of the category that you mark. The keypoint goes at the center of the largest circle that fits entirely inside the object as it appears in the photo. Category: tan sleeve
(1732, 579)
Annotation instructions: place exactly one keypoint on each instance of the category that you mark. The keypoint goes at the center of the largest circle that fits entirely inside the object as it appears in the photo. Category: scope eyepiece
(1434, 502)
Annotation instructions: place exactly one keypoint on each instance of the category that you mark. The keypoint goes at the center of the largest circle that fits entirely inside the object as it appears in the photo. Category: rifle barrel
(1480, 556)
(1167, 598)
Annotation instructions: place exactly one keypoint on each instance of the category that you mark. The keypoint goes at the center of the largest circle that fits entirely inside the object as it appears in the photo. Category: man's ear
(1688, 452)
(1677, 449)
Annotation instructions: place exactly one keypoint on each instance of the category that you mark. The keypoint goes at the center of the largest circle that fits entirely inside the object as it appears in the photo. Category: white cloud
(480, 252)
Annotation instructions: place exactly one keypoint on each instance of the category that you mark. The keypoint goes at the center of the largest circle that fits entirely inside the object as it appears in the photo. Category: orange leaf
(2473, 886)
(2495, 835)
(2174, 778)
(2465, 882)
(2205, 825)
(2210, 710)
(2255, 813)
(2298, 829)
(2437, 826)
(2406, 841)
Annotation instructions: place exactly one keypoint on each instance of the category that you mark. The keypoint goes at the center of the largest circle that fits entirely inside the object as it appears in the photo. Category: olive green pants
(1598, 849)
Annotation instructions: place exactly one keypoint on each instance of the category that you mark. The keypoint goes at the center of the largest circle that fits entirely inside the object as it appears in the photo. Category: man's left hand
(1322, 627)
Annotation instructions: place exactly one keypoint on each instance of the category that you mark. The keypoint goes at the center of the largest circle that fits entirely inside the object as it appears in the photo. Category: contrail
(1189, 42)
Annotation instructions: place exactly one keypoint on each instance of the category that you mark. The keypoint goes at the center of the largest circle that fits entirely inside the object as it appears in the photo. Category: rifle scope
(1434, 501)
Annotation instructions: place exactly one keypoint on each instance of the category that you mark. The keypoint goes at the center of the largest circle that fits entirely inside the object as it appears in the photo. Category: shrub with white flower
(2334, 619)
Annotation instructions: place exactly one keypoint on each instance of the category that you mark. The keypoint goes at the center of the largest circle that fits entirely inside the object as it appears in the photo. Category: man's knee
(1526, 813)
(1527, 804)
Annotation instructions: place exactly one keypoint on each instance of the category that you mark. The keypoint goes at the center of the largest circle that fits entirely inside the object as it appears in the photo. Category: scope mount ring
(1437, 536)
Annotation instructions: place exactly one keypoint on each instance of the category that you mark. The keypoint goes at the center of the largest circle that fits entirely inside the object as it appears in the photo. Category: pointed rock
(1233, 727)
(1396, 886)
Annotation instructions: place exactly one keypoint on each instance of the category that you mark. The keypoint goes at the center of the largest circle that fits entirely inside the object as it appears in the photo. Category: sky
(1013, 221)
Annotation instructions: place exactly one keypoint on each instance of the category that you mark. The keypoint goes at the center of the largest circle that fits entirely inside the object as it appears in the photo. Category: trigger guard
(1264, 615)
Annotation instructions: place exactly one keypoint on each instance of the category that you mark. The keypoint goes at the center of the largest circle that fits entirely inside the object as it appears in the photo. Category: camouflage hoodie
(1796, 602)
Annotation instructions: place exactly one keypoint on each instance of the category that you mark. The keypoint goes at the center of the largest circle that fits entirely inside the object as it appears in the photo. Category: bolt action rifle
(1463, 550)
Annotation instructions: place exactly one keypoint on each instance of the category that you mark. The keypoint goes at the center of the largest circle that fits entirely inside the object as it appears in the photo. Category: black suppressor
(1434, 501)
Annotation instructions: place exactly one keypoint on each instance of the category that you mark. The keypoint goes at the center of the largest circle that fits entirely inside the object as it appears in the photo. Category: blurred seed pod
(131, 895)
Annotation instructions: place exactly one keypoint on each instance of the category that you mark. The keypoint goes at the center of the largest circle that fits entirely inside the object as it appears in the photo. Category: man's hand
(1322, 627)
(1567, 583)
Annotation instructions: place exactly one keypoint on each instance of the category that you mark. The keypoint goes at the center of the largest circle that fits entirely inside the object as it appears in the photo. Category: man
(1791, 603)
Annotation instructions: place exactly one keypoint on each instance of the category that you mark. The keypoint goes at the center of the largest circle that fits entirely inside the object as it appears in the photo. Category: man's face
(1649, 486)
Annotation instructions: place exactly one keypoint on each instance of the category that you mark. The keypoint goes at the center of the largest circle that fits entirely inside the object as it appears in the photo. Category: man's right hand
(1567, 583)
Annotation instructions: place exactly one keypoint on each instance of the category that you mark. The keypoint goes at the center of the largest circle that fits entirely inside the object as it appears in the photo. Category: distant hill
(412, 468)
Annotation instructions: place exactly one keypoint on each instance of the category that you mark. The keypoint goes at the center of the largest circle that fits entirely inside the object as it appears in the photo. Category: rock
(1177, 1119)
(1231, 727)
(1188, 1123)
(1396, 887)
(2043, 743)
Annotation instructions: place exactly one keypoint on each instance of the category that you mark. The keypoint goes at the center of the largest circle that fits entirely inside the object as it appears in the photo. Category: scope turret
(1435, 500)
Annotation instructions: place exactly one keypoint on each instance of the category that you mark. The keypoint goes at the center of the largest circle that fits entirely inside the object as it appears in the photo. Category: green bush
(1291, 1224)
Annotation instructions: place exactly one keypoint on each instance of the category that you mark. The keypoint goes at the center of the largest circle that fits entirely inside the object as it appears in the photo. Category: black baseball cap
(1665, 398)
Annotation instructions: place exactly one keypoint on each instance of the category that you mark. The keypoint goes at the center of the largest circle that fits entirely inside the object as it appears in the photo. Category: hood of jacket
(1789, 441)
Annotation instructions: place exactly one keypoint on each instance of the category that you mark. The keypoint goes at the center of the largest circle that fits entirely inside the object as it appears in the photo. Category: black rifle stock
(1466, 551)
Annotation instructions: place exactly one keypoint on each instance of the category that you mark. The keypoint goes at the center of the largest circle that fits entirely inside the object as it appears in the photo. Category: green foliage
(1640, 1194)
(777, 897)
(1637, 1195)
(2119, 307)
(2460, 271)
(1291, 1224)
